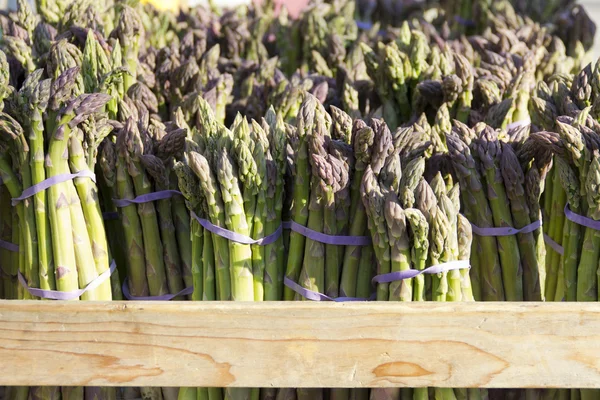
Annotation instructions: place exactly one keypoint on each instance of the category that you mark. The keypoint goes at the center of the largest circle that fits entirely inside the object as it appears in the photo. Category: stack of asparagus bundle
(50, 130)
(567, 107)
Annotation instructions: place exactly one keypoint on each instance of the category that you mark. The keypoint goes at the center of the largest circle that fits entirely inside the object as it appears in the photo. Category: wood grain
(300, 344)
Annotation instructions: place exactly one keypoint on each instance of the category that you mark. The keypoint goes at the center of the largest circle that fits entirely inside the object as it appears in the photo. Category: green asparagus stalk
(362, 139)
(276, 166)
(479, 213)
(587, 282)
(312, 276)
(216, 214)
(156, 169)
(88, 193)
(261, 149)
(572, 245)
(301, 194)
(131, 142)
(12, 135)
(514, 179)
(489, 152)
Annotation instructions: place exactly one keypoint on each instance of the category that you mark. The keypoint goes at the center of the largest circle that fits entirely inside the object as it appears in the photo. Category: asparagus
(131, 143)
(276, 165)
(216, 214)
(477, 204)
(323, 187)
(301, 194)
(11, 133)
(261, 148)
(489, 152)
(156, 169)
(586, 280)
(336, 217)
(514, 179)
(362, 138)
(38, 98)
(374, 200)
(465, 237)
(190, 188)
(240, 264)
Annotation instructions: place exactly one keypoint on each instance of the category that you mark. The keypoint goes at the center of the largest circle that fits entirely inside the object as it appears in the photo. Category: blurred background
(294, 6)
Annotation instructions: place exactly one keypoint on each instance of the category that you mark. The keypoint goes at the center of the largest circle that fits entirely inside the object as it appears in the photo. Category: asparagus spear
(362, 139)
(400, 248)
(465, 237)
(37, 97)
(312, 276)
(586, 280)
(156, 169)
(336, 217)
(190, 188)
(276, 166)
(477, 204)
(514, 179)
(216, 214)
(130, 141)
(11, 133)
(261, 149)
(240, 264)
(301, 194)
(489, 151)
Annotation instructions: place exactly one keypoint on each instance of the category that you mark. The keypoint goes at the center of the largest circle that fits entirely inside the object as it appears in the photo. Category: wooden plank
(300, 344)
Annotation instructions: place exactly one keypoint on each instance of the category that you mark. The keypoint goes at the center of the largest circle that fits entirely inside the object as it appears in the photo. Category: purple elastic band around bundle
(555, 246)
(147, 198)
(164, 297)
(57, 295)
(9, 246)
(327, 239)
(367, 26)
(581, 220)
(518, 124)
(411, 273)
(110, 216)
(316, 296)
(505, 231)
(237, 237)
(364, 25)
(463, 21)
(53, 180)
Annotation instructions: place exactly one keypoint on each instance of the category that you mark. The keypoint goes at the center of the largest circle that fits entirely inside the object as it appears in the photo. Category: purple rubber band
(237, 237)
(411, 273)
(367, 26)
(555, 246)
(316, 296)
(58, 295)
(147, 198)
(364, 25)
(110, 216)
(581, 220)
(53, 180)
(518, 124)
(505, 231)
(327, 239)
(9, 246)
(463, 21)
(164, 297)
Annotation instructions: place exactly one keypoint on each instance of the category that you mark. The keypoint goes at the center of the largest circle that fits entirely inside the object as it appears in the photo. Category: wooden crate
(300, 344)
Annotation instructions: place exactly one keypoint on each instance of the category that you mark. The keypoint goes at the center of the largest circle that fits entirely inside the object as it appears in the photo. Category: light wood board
(300, 344)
